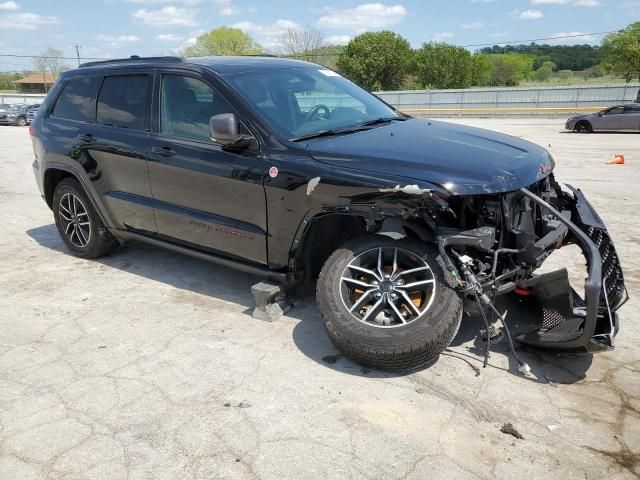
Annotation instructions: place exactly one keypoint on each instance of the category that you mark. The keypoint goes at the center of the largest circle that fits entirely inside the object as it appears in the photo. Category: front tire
(78, 223)
(410, 313)
(583, 127)
(21, 122)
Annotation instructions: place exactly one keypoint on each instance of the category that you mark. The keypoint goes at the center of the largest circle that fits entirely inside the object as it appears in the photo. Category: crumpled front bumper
(552, 315)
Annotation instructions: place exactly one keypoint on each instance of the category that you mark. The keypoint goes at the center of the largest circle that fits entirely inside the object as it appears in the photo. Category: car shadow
(186, 273)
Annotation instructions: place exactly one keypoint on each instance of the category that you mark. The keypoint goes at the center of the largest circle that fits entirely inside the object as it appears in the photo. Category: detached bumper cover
(559, 318)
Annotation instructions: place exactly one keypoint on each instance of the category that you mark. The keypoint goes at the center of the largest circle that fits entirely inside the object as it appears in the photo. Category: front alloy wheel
(387, 303)
(387, 287)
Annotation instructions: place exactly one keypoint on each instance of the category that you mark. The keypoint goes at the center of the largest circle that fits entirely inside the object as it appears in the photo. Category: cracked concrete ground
(146, 365)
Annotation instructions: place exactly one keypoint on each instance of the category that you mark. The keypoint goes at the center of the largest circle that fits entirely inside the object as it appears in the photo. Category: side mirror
(600, 114)
(223, 130)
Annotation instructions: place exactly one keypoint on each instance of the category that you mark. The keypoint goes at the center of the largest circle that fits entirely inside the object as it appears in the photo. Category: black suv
(286, 169)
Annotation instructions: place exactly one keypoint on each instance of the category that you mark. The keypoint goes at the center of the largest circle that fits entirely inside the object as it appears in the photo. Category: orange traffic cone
(618, 159)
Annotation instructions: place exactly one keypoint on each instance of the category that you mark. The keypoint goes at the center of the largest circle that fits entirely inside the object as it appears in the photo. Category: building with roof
(37, 82)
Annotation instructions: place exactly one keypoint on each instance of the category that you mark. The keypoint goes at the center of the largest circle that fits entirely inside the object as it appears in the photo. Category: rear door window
(123, 101)
(77, 100)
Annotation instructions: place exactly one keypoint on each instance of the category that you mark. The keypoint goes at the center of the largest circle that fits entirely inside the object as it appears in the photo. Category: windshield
(15, 108)
(304, 101)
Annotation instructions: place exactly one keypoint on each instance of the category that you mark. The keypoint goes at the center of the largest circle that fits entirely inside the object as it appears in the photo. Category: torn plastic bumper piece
(554, 316)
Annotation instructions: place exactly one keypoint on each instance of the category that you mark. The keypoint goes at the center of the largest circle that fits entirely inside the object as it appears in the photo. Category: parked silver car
(620, 117)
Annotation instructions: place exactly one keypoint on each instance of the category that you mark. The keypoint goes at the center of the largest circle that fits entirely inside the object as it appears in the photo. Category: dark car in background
(13, 114)
(288, 170)
(618, 118)
(32, 110)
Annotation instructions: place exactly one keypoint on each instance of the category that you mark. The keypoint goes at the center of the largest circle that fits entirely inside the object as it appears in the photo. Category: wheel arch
(321, 234)
(55, 173)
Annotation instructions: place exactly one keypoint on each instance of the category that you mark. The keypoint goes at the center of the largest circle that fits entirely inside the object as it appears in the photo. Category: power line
(538, 39)
(508, 42)
(45, 56)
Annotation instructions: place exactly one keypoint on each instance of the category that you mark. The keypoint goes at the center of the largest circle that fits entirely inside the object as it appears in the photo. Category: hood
(463, 160)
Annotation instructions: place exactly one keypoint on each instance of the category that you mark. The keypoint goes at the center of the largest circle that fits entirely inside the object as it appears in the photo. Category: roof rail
(132, 59)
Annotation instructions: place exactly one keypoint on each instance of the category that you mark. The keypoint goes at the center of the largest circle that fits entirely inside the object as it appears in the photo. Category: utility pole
(77, 47)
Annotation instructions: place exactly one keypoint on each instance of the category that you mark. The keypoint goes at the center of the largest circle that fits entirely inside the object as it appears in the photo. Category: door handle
(86, 138)
(164, 151)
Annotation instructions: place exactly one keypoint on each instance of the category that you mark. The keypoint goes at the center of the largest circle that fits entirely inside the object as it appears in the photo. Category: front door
(204, 195)
(611, 119)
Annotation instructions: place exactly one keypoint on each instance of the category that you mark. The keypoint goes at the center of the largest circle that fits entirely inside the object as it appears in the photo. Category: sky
(120, 28)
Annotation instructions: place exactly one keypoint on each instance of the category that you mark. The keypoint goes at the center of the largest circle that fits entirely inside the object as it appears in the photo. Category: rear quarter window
(76, 101)
(122, 101)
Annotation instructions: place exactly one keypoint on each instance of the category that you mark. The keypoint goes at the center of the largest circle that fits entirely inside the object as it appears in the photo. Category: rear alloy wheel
(583, 127)
(387, 303)
(78, 223)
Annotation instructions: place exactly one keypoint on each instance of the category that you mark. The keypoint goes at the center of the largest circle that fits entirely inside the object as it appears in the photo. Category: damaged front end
(493, 244)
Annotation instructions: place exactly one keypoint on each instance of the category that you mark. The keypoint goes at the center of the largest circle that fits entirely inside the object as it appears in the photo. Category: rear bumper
(553, 315)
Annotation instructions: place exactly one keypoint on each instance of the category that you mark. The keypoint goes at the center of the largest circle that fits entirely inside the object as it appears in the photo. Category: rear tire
(583, 127)
(78, 223)
(391, 346)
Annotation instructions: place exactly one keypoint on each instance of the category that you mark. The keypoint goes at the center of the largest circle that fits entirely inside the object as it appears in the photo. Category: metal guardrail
(476, 101)
(22, 97)
(511, 100)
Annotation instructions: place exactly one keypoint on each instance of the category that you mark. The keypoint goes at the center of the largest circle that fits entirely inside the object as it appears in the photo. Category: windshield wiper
(377, 121)
(342, 131)
(325, 133)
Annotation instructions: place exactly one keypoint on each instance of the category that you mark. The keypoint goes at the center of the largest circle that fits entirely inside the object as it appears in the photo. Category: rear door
(204, 195)
(118, 143)
(631, 116)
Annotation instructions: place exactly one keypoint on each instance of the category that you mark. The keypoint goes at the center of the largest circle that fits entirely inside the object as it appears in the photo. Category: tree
(223, 41)
(481, 68)
(376, 60)
(440, 65)
(543, 73)
(510, 68)
(622, 52)
(302, 43)
(49, 63)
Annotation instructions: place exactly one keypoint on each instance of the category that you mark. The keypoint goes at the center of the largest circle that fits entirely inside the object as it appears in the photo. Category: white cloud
(575, 3)
(158, 2)
(369, 16)
(442, 36)
(573, 37)
(166, 16)
(169, 37)
(267, 35)
(526, 14)
(116, 41)
(473, 25)
(9, 6)
(225, 8)
(337, 40)
(26, 21)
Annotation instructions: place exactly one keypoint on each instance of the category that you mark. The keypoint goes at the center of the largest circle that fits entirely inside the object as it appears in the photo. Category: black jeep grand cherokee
(286, 169)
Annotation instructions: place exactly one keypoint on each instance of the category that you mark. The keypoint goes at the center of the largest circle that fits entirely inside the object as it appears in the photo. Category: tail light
(31, 130)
